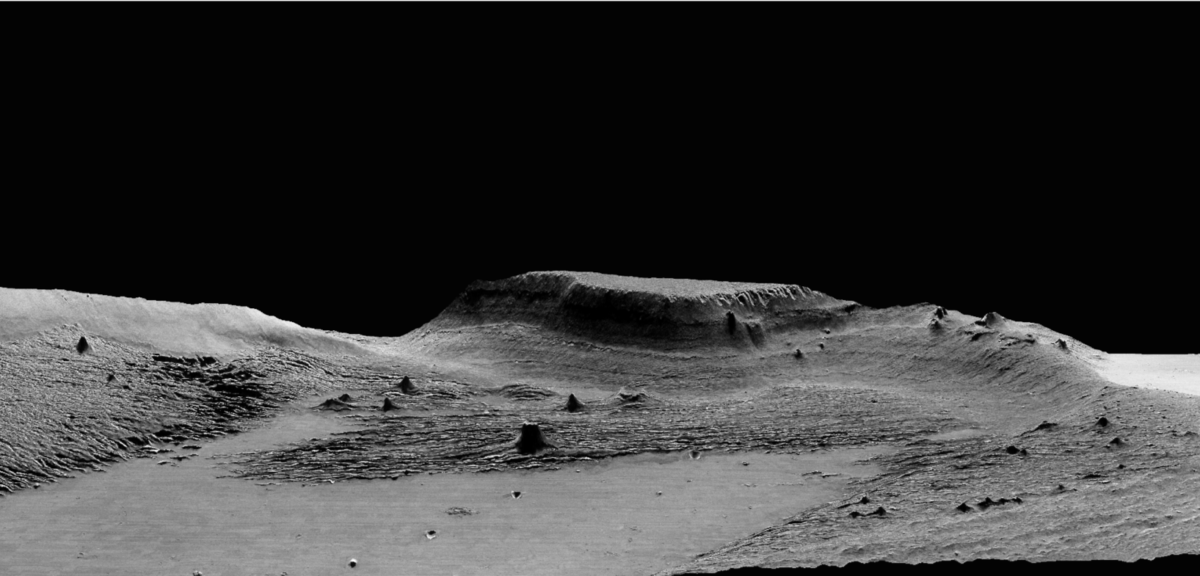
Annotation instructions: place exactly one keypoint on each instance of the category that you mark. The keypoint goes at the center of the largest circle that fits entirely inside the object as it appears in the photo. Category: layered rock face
(652, 312)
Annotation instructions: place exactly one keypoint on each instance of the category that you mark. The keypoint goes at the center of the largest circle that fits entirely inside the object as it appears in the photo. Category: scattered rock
(111, 377)
(964, 507)
(695, 454)
(531, 440)
(459, 511)
(1046, 425)
(827, 331)
(353, 562)
(878, 512)
(516, 494)
(431, 534)
(986, 503)
(799, 353)
(1102, 421)
(573, 404)
(1024, 452)
(821, 345)
(345, 398)
(939, 312)
(935, 325)
(388, 405)
(406, 386)
(1061, 343)
(82, 346)
(1012, 450)
(1116, 442)
(745, 463)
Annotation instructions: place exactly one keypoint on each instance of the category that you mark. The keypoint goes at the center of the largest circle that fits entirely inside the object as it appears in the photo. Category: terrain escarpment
(665, 314)
(698, 336)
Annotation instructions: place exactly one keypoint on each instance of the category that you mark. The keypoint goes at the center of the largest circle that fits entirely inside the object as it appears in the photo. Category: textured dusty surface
(988, 430)
(619, 516)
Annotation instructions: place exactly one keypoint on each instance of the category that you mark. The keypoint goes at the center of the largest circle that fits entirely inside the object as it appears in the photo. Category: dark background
(365, 199)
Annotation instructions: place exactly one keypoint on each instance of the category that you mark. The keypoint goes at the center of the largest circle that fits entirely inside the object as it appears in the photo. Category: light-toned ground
(1174, 372)
(141, 517)
(1003, 439)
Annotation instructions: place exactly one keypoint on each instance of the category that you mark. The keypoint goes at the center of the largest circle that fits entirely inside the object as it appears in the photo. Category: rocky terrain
(1007, 440)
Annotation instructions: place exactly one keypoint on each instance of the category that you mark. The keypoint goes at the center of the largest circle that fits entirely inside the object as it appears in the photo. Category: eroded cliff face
(656, 313)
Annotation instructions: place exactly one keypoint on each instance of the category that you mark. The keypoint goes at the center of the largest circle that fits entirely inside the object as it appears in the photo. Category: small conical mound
(345, 398)
(406, 386)
(573, 404)
(939, 312)
(990, 319)
(333, 404)
(531, 440)
(82, 346)
(388, 405)
(631, 395)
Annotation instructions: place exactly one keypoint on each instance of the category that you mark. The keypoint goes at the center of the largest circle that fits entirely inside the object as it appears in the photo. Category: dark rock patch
(531, 440)
(573, 404)
(82, 346)
(333, 404)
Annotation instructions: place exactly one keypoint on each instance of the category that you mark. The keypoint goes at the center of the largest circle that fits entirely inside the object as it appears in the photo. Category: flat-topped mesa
(667, 312)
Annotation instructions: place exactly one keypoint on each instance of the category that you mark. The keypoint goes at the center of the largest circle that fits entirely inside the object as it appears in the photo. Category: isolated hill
(214, 329)
(700, 336)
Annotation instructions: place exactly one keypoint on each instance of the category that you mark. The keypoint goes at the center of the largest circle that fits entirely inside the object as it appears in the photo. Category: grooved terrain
(993, 437)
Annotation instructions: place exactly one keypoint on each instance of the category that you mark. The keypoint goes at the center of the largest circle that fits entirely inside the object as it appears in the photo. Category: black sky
(371, 217)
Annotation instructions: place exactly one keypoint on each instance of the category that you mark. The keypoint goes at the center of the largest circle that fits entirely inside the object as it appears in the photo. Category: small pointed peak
(939, 312)
(406, 386)
(531, 440)
(82, 346)
(388, 405)
(573, 404)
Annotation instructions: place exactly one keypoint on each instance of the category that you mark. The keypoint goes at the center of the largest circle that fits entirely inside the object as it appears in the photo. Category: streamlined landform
(565, 422)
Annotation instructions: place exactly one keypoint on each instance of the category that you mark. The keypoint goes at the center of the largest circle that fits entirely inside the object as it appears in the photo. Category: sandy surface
(142, 517)
(1174, 372)
(1004, 439)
